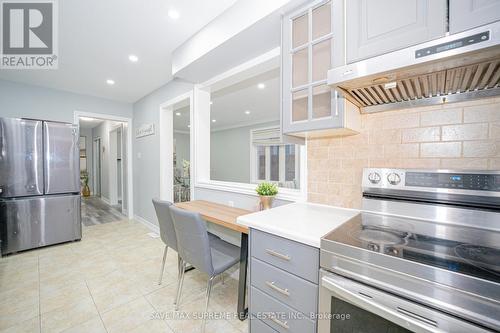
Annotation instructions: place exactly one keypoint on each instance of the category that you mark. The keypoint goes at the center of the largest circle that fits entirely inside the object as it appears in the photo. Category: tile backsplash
(454, 136)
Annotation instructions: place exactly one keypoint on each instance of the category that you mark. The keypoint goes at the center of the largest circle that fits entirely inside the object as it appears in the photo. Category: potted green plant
(267, 192)
(84, 176)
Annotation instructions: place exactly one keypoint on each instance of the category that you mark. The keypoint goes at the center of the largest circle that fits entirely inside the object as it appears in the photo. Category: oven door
(349, 306)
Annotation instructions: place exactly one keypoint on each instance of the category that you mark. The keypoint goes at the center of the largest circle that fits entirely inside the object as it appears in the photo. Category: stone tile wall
(455, 136)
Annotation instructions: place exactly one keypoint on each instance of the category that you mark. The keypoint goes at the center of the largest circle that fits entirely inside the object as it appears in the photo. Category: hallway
(95, 211)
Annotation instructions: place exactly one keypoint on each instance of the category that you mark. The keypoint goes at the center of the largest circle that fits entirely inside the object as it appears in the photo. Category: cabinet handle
(278, 255)
(272, 285)
(281, 323)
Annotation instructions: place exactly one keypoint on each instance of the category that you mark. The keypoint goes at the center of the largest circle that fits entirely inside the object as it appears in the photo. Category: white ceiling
(96, 37)
(90, 122)
(229, 104)
(250, 43)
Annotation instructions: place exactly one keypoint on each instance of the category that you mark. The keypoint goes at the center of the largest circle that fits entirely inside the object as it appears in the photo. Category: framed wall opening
(176, 149)
(101, 151)
(229, 103)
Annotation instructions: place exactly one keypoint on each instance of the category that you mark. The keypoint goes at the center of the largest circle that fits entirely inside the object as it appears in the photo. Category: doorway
(109, 168)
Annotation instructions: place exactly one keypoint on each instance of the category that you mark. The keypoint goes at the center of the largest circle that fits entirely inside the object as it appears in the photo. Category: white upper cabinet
(375, 27)
(307, 55)
(467, 14)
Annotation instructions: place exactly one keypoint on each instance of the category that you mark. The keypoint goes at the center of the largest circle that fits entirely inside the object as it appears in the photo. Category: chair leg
(209, 290)
(222, 278)
(163, 263)
(179, 267)
(179, 287)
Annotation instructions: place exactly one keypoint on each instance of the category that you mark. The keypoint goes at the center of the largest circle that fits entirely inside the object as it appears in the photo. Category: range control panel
(431, 179)
(466, 181)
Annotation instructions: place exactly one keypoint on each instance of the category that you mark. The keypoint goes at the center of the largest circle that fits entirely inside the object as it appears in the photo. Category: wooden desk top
(216, 213)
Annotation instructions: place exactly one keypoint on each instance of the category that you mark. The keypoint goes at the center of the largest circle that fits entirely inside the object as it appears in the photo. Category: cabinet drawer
(293, 257)
(286, 320)
(257, 326)
(298, 293)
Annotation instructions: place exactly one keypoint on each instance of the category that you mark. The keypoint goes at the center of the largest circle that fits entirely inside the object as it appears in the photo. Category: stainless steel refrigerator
(39, 184)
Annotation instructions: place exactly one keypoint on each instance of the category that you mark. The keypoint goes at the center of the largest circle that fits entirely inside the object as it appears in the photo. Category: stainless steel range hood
(457, 67)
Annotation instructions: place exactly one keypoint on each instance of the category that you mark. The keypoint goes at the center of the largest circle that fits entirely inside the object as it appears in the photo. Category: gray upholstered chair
(210, 255)
(167, 231)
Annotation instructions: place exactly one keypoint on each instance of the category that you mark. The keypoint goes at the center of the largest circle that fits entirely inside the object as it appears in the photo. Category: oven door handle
(405, 318)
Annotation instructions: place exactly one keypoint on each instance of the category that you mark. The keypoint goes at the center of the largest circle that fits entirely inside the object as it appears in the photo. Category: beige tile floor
(108, 282)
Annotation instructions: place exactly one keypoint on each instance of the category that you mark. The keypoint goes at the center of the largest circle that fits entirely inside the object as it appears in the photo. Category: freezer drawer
(34, 222)
(21, 158)
(62, 158)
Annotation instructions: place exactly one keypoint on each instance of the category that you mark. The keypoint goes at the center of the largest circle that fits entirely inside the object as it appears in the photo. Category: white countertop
(302, 222)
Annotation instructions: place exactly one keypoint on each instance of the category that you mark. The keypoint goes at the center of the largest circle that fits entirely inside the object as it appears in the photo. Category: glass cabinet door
(307, 52)
(300, 102)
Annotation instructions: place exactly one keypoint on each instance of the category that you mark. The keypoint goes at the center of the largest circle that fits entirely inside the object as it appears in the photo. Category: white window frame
(200, 127)
(254, 160)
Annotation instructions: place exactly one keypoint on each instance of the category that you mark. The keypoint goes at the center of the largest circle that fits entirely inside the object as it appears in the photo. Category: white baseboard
(151, 226)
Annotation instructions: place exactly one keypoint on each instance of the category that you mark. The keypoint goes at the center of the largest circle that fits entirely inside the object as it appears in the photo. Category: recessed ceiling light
(173, 14)
(211, 102)
(177, 113)
(261, 86)
(133, 58)
(247, 112)
(110, 82)
(213, 120)
(87, 119)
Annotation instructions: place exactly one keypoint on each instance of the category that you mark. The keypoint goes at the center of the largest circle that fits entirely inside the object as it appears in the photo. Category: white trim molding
(105, 200)
(166, 130)
(151, 226)
(249, 189)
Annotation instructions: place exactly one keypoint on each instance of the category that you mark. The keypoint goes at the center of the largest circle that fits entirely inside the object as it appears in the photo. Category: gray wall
(29, 101)
(22, 100)
(230, 153)
(146, 157)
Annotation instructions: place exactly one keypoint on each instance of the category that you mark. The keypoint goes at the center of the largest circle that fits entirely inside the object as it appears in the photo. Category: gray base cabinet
(468, 14)
(283, 284)
(376, 27)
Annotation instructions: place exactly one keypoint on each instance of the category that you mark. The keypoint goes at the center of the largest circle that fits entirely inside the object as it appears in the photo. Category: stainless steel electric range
(422, 256)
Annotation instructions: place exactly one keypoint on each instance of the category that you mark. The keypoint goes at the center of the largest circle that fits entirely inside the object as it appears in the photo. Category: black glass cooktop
(466, 250)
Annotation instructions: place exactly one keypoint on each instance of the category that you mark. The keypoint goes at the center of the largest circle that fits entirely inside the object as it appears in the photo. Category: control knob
(393, 178)
(374, 178)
